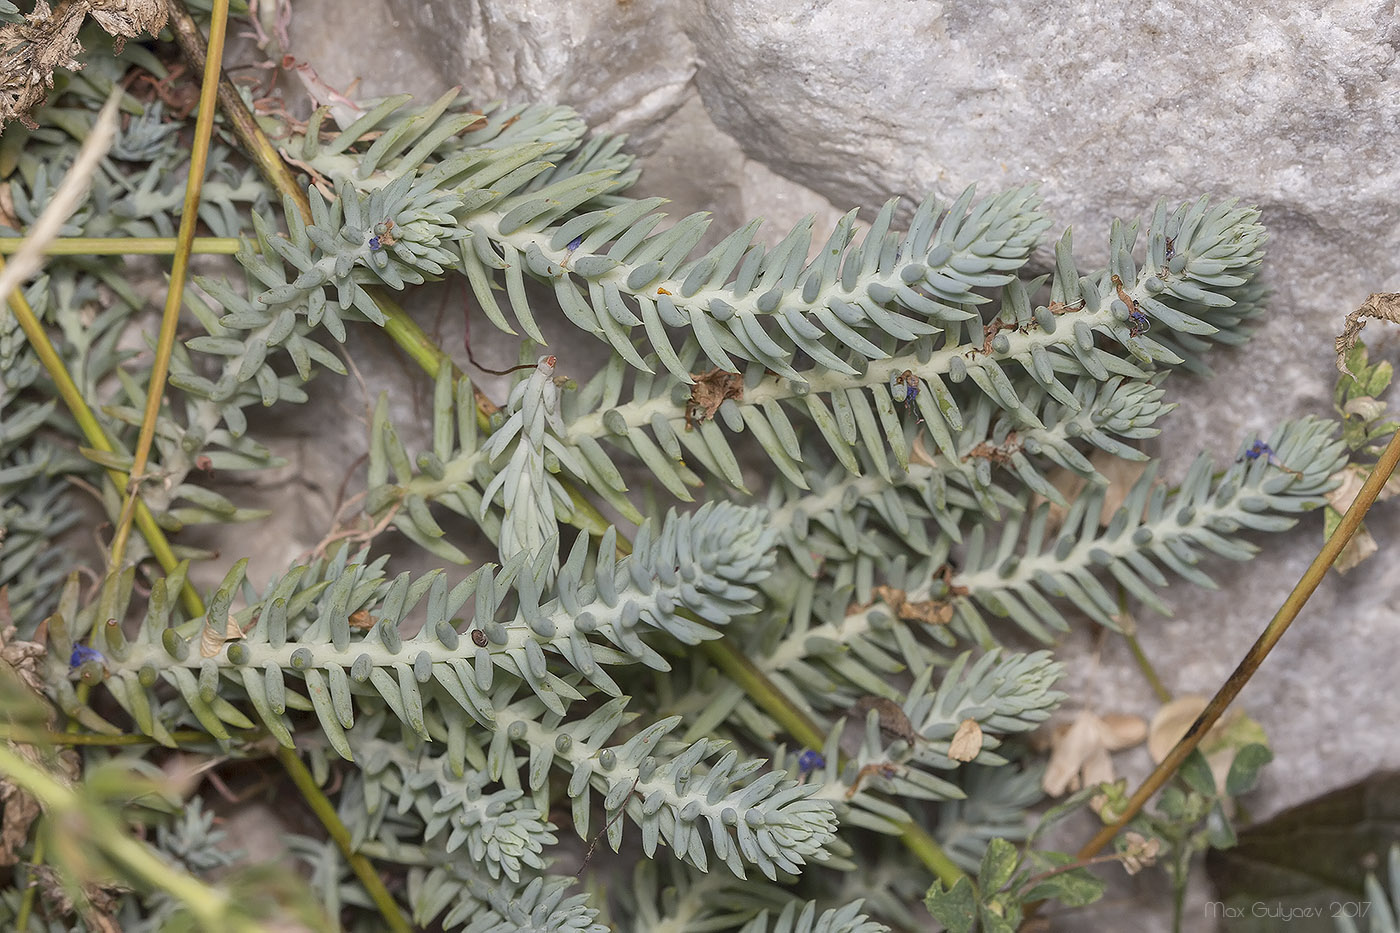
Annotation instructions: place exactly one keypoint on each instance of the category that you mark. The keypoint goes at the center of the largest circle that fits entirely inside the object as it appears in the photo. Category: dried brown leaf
(919, 454)
(1072, 746)
(1350, 479)
(710, 391)
(928, 611)
(967, 741)
(1171, 722)
(893, 720)
(23, 657)
(47, 40)
(1139, 852)
(20, 812)
(127, 19)
(211, 641)
(1358, 550)
(97, 904)
(1079, 755)
(1382, 306)
(1122, 730)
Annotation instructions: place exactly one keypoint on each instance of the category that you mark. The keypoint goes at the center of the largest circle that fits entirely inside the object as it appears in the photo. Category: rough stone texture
(779, 108)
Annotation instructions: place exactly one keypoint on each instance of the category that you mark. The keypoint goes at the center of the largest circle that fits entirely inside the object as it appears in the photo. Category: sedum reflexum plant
(786, 691)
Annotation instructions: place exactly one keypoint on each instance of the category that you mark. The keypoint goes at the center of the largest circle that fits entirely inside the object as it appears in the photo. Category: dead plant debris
(47, 40)
(1382, 306)
(711, 390)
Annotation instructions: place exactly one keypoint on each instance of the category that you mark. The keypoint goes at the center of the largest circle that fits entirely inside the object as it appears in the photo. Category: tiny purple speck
(810, 761)
(374, 242)
(575, 243)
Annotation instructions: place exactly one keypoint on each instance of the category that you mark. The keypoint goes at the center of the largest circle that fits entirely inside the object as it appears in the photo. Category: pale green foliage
(1380, 909)
(902, 396)
(847, 919)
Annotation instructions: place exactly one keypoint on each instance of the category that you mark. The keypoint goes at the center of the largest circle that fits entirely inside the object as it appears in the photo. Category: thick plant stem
(363, 867)
(1253, 658)
(175, 294)
(96, 438)
(125, 246)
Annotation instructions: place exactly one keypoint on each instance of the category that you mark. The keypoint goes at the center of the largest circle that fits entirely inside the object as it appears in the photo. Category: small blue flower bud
(83, 654)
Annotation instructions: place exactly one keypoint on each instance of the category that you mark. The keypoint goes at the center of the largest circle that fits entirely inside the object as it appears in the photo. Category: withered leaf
(1139, 852)
(893, 720)
(967, 741)
(710, 391)
(211, 640)
(928, 611)
(20, 812)
(1122, 476)
(1382, 306)
(47, 40)
(1079, 754)
(23, 657)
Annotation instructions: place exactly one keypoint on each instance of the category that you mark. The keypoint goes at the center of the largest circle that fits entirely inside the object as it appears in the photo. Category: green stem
(363, 867)
(34, 737)
(763, 692)
(1135, 647)
(26, 904)
(255, 142)
(1128, 626)
(210, 907)
(125, 246)
(175, 294)
(411, 338)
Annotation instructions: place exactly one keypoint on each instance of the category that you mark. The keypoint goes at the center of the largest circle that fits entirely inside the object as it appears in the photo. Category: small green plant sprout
(1365, 428)
(1008, 879)
(1197, 809)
